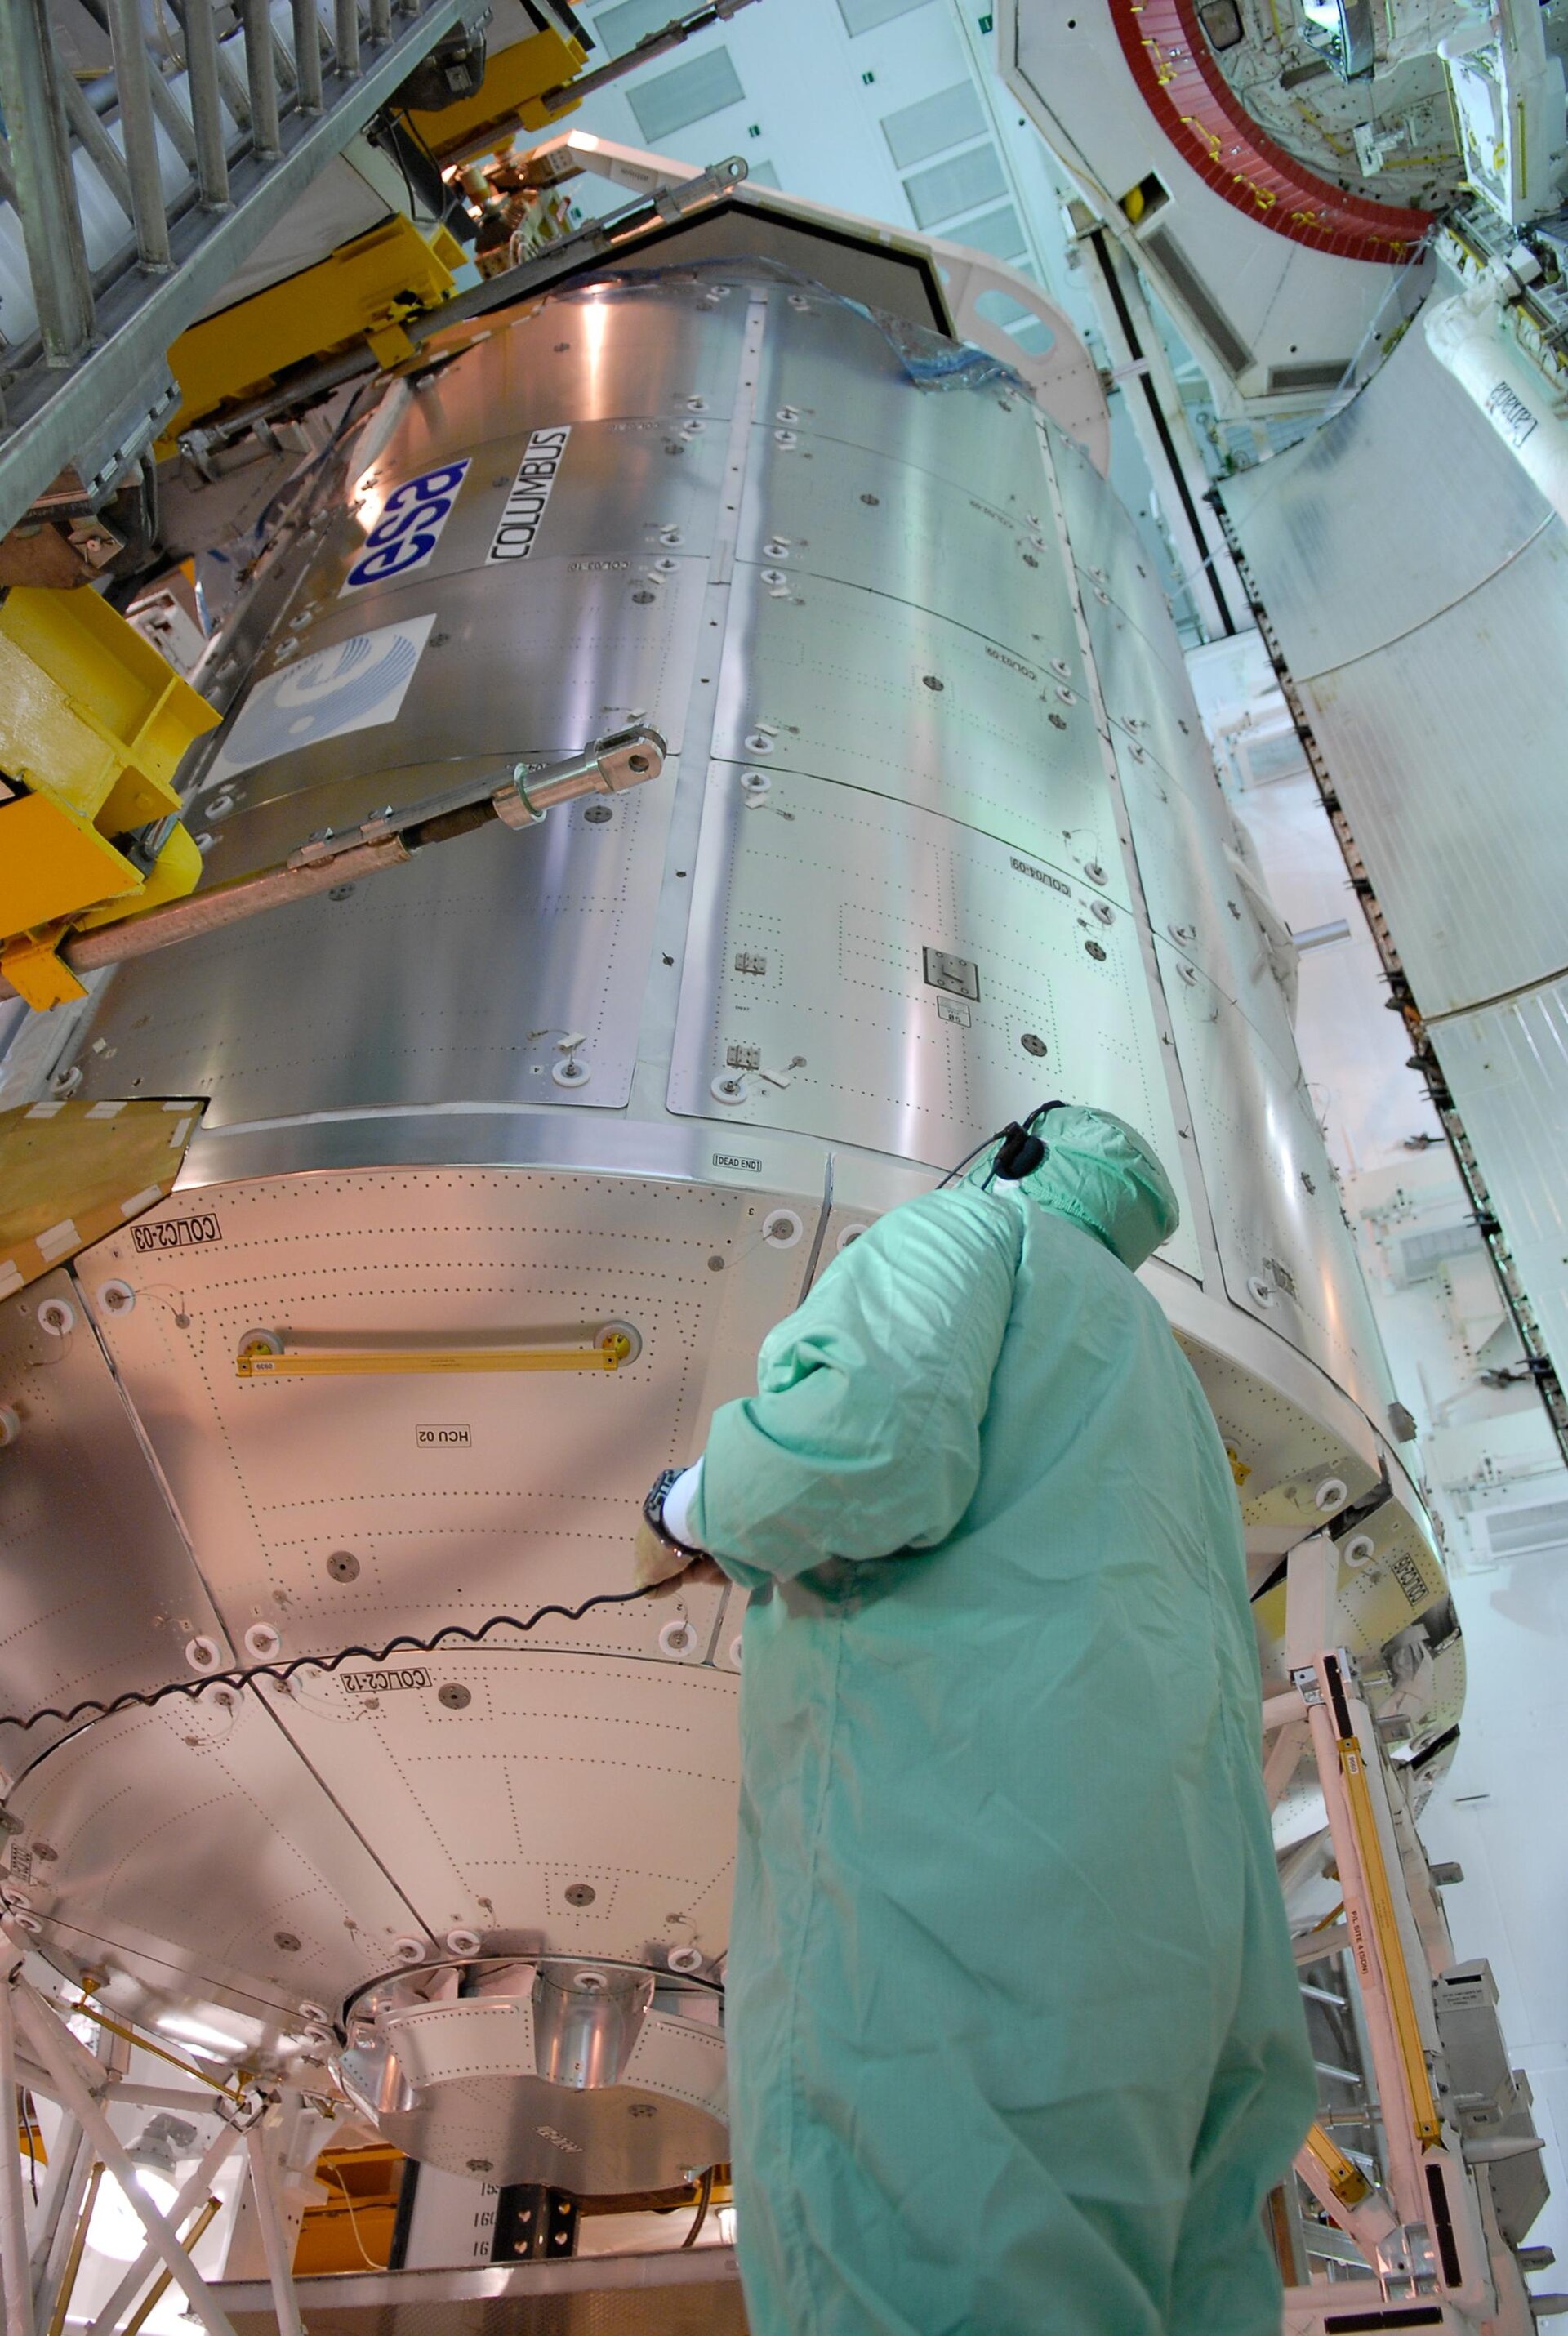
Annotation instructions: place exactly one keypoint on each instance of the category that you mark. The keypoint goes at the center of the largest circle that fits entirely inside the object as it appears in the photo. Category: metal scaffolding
(139, 195)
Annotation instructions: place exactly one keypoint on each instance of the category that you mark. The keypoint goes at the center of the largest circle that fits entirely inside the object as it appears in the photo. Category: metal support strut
(627, 758)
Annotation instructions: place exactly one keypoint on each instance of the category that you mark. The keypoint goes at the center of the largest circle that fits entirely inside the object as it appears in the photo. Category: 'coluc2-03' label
(525, 509)
(409, 528)
(177, 1232)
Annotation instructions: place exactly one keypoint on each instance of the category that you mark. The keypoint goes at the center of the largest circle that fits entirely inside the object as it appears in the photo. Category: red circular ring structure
(1194, 106)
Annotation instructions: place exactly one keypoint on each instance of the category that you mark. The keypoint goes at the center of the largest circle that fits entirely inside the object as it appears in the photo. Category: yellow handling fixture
(1344, 2177)
(262, 1357)
(362, 291)
(93, 725)
(512, 97)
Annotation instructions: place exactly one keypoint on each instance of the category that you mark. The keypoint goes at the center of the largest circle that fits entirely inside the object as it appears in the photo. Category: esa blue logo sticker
(409, 528)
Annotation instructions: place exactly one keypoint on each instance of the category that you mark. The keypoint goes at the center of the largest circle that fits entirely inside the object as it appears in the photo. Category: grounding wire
(144, 1699)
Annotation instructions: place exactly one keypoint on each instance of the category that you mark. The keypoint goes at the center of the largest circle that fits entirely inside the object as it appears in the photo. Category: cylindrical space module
(510, 1158)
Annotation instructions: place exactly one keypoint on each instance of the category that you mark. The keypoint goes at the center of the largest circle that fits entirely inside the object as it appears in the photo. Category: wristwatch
(653, 1513)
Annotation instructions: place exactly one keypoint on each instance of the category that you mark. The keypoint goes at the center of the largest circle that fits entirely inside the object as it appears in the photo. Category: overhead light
(213, 2041)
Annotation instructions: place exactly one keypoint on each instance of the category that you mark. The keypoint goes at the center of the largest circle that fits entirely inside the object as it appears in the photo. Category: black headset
(1022, 1151)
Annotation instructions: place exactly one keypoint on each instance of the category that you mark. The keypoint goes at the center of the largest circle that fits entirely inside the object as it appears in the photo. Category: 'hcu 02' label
(409, 528)
(524, 514)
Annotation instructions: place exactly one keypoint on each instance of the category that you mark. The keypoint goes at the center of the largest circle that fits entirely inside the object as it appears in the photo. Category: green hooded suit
(1017, 2047)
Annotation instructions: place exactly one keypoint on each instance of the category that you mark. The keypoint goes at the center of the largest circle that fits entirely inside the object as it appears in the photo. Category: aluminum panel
(823, 913)
(580, 1773)
(279, 1479)
(818, 507)
(1190, 859)
(456, 980)
(830, 369)
(1285, 1250)
(628, 491)
(1507, 1068)
(599, 355)
(1401, 505)
(193, 1849)
(888, 698)
(100, 1592)
(1156, 715)
(1112, 562)
(538, 662)
(1446, 747)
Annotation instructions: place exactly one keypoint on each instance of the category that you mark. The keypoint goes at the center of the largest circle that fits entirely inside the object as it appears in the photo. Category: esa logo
(409, 528)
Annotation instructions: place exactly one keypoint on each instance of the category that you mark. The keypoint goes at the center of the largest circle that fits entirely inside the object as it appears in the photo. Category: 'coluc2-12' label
(524, 513)
(409, 528)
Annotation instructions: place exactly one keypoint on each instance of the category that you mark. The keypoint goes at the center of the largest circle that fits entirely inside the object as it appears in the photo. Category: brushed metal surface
(622, 487)
(881, 695)
(1447, 747)
(838, 895)
(827, 369)
(1143, 705)
(192, 1846)
(1398, 507)
(563, 1771)
(628, 350)
(539, 1504)
(820, 507)
(1196, 901)
(517, 665)
(1109, 554)
(450, 981)
(101, 1592)
(1507, 1067)
(1275, 1202)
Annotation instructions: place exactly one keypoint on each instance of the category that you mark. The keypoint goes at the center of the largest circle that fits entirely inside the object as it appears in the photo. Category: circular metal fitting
(262, 1642)
(57, 1316)
(203, 1654)
(684, 1959)
(454, 1696)
(755, 782)
(730, 1086)
(572, 1072)
(580, 1893)
(849, 1233)
(676, 1639)
(408, 1951)
(1331, 1493)
(343, 1565)
(1103, 911)
(1260, 1290)
(1358, 1551)
(464, 1943)
(1033, 1044)
(623, 1339)
(783, 1229)
(117, 1298)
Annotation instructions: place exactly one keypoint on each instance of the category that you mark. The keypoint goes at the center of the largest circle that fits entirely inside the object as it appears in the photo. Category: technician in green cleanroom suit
(1017, 2047)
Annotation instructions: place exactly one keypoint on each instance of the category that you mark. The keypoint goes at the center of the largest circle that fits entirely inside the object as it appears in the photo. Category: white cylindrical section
(1514, 394)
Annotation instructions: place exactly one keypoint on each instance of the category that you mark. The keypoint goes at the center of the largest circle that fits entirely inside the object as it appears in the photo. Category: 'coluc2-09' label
(409, 528)
(523, 512)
